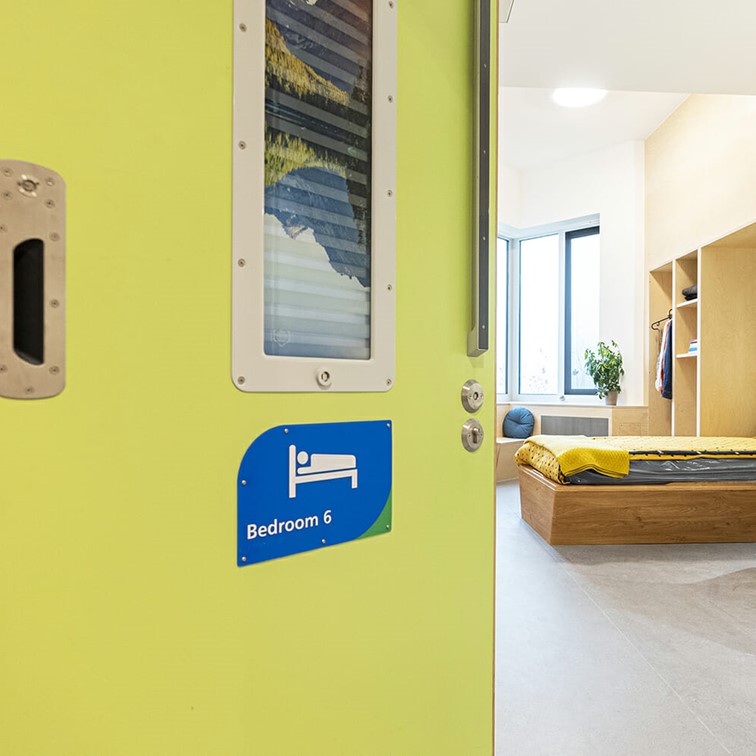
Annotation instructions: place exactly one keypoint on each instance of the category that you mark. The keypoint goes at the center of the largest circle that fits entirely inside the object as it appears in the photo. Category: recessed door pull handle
(32, 281)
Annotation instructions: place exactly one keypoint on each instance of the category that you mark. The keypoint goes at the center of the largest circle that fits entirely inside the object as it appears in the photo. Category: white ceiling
(536, 131)
(631, 47)
(635, 45)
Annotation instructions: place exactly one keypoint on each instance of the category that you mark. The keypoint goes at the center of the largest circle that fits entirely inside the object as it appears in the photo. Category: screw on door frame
(324, 377)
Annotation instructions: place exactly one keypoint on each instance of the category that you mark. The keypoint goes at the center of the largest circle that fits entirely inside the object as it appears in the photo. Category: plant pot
(611, 398)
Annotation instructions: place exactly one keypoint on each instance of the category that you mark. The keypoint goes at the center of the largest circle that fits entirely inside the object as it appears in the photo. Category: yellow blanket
(559, 456)
(556, 457)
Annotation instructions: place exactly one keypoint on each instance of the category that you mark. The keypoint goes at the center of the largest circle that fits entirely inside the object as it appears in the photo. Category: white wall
(509, 195)
(609, 182)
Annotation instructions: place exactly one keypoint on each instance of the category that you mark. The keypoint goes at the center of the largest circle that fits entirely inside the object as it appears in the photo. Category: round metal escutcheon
(472, 396)
(472, 435)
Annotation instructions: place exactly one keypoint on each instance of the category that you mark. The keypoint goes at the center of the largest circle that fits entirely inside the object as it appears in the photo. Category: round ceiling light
(578, 98)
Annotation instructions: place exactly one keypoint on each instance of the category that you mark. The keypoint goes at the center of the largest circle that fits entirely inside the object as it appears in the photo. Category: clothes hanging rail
(655, 325)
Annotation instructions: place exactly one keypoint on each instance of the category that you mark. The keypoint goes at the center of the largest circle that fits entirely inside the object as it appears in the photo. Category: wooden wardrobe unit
(713, 390)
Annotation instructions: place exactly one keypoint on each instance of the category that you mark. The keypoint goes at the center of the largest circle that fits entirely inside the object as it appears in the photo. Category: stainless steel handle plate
(32, 281)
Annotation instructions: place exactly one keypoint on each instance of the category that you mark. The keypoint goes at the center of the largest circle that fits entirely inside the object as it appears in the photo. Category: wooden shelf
(708, 400)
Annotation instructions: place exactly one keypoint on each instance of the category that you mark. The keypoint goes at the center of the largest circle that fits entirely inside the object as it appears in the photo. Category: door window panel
(318, 146)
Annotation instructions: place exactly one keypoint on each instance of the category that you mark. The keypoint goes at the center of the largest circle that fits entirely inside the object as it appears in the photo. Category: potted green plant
(605, 368)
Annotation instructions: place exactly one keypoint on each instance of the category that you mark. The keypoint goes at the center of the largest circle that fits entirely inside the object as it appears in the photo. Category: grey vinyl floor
(622, 650)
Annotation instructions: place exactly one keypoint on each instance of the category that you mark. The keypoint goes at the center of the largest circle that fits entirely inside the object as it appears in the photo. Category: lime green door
(125, 625)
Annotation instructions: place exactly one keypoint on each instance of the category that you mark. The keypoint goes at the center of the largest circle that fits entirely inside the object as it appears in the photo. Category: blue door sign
(303, 487)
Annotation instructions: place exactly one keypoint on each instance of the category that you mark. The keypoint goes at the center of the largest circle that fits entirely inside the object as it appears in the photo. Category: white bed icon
(321, 467)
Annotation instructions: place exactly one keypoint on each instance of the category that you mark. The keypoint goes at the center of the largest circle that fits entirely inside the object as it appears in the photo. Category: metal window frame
(503, 258)
(252, 369)
(536, 234)
(515, 236)
(568, 237)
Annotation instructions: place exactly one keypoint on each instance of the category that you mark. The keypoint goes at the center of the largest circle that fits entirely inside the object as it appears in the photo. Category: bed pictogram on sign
(321, 467)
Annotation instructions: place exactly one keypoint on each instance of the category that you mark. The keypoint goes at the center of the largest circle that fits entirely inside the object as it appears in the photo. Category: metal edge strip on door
(478, 337)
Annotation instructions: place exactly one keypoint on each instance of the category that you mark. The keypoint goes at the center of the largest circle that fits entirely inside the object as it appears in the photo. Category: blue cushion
(519, 423)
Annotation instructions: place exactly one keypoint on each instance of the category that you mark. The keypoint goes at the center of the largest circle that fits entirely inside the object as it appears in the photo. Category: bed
(578, 490)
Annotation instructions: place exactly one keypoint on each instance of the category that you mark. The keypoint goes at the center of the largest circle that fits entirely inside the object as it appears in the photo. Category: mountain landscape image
(317, 177)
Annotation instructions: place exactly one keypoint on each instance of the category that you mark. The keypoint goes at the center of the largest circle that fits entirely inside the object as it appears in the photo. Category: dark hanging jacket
(667, 388)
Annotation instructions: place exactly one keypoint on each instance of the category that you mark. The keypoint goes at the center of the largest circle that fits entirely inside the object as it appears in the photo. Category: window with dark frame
(549, 277)
(581, 306)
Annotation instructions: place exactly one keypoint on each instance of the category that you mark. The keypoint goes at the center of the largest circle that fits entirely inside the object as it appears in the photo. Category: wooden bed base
(668, 513)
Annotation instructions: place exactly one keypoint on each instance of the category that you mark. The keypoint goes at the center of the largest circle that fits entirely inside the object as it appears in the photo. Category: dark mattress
(649, 471)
